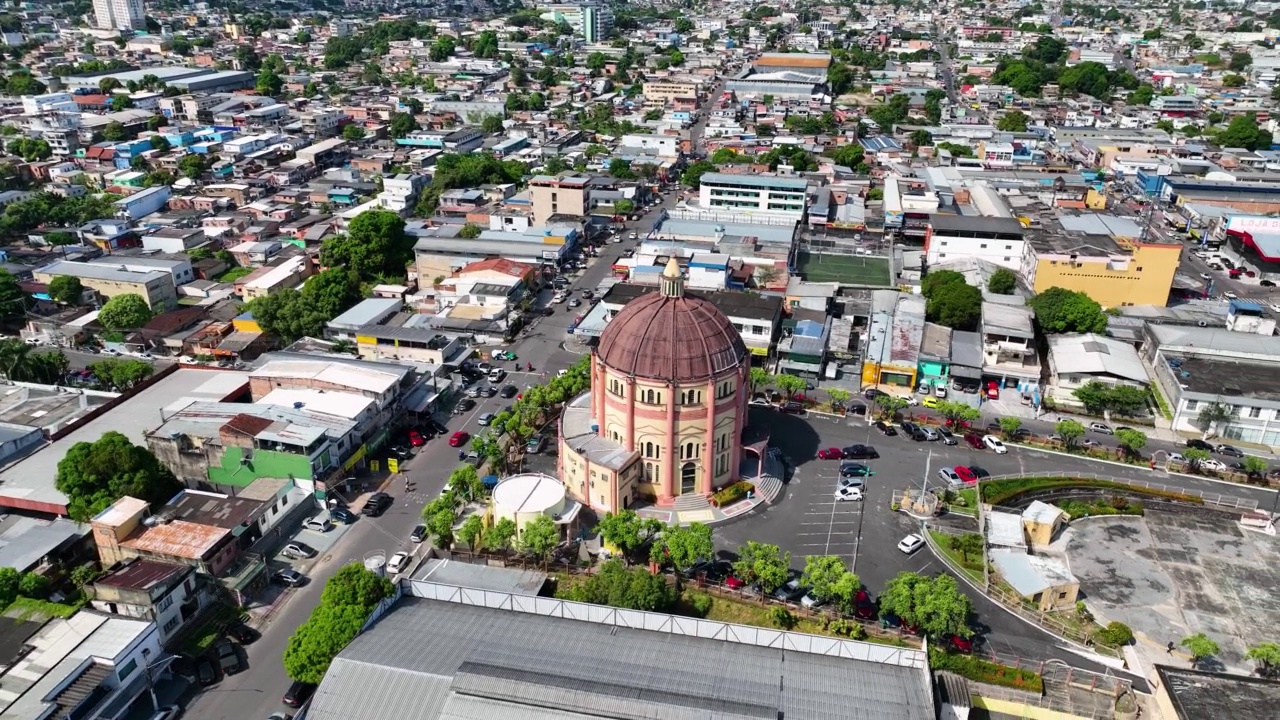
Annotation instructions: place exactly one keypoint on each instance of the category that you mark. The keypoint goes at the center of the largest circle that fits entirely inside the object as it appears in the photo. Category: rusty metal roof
(681, 339)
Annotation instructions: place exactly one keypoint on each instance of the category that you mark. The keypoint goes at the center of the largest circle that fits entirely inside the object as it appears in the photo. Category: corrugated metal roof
(419, 658)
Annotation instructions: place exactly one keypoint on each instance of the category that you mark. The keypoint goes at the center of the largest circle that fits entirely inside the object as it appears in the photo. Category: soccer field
(845, 269)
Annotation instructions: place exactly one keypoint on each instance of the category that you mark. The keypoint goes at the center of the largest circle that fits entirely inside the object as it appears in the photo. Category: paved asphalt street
(256, 692)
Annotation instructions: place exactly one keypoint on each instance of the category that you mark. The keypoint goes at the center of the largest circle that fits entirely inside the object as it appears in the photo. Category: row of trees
(349, 597)
(1099, 398)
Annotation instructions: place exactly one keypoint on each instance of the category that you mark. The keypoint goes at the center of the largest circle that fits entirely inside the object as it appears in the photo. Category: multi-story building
(168, 594)
(892, 355)
(589, 20)
(754, 194)
(1009, 356)
(155, 287)
(400, 193)
(49, 102)
(119, 15)
(996, 240)
(1113, 270)
(664, 91)
(564, 195)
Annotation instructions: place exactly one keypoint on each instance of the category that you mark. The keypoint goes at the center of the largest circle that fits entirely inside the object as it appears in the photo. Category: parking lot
(807, 521)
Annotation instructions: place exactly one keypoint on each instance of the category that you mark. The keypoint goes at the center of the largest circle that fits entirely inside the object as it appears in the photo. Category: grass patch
(971, 567)
(999, 492)
(203, 637)
(963, 502)
(233, 274)
(844, 269)
(984, 671)
(1115, 506)
(24, 608)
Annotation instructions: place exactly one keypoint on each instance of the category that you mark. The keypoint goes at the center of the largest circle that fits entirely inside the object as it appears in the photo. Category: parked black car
(342, 515)
(298, 693)
(859, 452)
(242, 633)
(872, 393)
(419, 534)
(793, 408)
(1229, 450)
(886, 428)
(228, 657)
(1199, 445)
(510, 391)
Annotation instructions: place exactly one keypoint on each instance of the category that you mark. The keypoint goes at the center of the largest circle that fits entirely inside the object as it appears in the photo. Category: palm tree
(15, 358)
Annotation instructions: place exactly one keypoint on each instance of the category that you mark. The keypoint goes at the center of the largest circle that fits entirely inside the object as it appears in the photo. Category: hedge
(732, 493)
(983, 671)
(999, 492)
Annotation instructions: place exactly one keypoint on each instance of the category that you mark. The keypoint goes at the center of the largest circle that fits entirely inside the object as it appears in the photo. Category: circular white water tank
(376, 563)
(521, 497)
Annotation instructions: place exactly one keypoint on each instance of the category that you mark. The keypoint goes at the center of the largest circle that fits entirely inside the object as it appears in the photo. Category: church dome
(670, 336)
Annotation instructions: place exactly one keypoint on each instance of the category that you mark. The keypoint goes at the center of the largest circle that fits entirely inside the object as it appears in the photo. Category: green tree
(13, 299)
(956, 413)
(935, 280)
(440, 525)
(492, 124)
(113, 131)
(683, 546)
(1212, 415)
(269, 83)
(616, 585)
(1195, 456)
(759, 378)
(1013, 121)
(192, 166)
(374, 247)
(936, 605)
(1009, 426)
(501, 535)
(125, 312)
(966, 544)
(34, 586)
(1267, 654)
(1243, 132)
(470, 231)
(1240, 61)
(790, 384)
(825, 577)
(66, 289)
(762, 565)
(628, 532)
(624, 206)
(472, 533)
(346, 603)
(403, 123)
(692, 176)
(159, 144)
(1132, 441)
(10, 582)
(121, 374)
(539, 537)
(1070, 431)
(1143, 95)
(1094, 395)
(1058, 310)
(352, 131)
(921, 138)
(955, 305)
(839, 396)
(94, 475)
(889, 405)
(1200, 647)
(1254, 466)
(621, 169)
(1002, 282)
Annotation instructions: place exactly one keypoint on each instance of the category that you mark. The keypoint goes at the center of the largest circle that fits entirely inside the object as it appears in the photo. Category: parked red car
(993, 390)
(459, 438)
(975, 441)
(830, 453)
(966, 474)
(734, 583)
(416, 439)
(960, 644)
(863, 606)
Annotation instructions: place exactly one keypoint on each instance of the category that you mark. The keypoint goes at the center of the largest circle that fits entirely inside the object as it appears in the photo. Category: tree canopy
(936, 605)
(951, 301)
(616, 585)
(125, 312)
(120, 374)
(1243, 132)
(95, 474)
(763, 565)
(1059, 310)
(348, 598)
(375, 247)
(291, 314)
(1002, 282)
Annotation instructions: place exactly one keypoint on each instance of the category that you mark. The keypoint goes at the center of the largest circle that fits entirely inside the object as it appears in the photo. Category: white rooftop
(529, 493)
(345, 405)
(335, 373)
(1005, 530)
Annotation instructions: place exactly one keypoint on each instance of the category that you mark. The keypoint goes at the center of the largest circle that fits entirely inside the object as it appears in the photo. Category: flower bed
(732, 493)
(999, 492)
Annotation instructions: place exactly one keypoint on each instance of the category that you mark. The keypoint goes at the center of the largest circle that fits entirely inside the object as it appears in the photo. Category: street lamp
(151, 688)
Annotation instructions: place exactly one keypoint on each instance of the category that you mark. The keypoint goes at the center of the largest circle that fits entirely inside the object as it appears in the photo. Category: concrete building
(1045, 582)
(1077, 360)
(664, 91)
(524, 497)
(996, 240)
(563, 195)
(1009, 356)
(119, 15)
(664, 416)
(1102, 257)
(90, 665)
(590, 21)
(167, 594)
(155, 287)
(894, 336)
(754, 194)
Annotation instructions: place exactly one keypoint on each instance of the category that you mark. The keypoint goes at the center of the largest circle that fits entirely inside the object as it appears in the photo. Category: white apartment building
(996, 240)
(50, 102)
(119, 15)
(754, 194)
(589, 20)
(400, 193)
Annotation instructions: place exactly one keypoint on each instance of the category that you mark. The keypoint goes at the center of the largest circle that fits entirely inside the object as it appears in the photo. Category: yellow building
(558, 195)
(524, 497)
(155, 287)
(1113, 272)
(667, 405)
(1041, 522)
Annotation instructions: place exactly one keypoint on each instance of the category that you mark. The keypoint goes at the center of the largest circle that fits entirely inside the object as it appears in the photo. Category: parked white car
(398, 563)
(911, 543)
(994, 443)
(318, 524)
(851, 492)
(1214, 465)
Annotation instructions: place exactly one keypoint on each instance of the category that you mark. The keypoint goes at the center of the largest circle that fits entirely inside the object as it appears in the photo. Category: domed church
(668, 399)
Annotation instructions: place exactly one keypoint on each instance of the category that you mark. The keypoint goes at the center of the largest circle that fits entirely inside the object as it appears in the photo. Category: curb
(1131, 466)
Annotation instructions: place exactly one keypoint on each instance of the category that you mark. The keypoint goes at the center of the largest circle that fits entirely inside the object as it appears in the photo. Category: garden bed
(971, 567)
(984, 671)
(1000, 492)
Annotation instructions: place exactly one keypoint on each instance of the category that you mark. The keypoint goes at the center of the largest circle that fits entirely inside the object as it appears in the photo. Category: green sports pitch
(845, 269)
